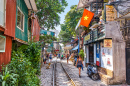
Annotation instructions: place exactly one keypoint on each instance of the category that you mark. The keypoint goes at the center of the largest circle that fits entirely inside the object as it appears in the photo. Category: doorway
(128, 65)
(91, 54)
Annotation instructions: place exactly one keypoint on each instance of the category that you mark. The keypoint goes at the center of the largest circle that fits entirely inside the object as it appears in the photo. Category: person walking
(67, 58)
(79, 64)
(75, 59)
(62, 56)
(44, 60)
(50, 56)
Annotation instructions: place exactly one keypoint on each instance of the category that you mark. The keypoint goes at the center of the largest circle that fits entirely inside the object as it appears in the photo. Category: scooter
(92, 72)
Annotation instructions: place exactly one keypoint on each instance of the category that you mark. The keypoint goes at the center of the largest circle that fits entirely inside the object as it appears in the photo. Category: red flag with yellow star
(86, 18)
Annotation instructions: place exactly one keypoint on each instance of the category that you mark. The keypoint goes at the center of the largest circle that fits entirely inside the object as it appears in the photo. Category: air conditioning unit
(2, 43)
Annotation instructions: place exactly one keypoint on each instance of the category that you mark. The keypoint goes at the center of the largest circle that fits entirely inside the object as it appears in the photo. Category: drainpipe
(33, 29)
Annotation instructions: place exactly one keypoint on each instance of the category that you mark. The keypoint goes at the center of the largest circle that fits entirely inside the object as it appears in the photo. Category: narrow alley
(61, 79)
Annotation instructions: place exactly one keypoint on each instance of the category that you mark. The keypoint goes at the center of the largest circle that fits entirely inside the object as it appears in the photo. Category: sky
(67, 9)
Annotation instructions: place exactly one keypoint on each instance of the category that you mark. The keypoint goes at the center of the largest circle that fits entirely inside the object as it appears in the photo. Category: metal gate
(128, 65)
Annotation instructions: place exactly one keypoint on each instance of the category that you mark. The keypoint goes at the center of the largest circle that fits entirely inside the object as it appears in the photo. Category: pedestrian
(50, 57)
(79, 64)
(58, 55)
(62, 56)
(75, 59)
(44, 60)
(67, 58)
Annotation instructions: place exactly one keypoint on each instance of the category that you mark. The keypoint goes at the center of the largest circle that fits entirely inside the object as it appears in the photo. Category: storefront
(98, 50)
(89, 49)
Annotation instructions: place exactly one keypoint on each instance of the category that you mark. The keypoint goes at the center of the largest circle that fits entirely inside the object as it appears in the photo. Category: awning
(84, 3)
(126, 16)
(21, 41)
(56, 50)
(80, 5)
(94, 26)
(75, 47)
(31, 4)
(68, 48)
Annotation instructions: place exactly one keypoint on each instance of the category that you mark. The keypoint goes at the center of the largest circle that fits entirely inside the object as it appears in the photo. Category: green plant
(32, 52)
(81, 53)
(8, 77)
(23, 67)
(25, 61)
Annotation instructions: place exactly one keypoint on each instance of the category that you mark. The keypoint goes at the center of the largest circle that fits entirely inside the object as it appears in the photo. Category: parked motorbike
(92, 72)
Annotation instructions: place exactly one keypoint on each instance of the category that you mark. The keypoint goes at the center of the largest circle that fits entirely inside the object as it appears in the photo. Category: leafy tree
(65, 35)
(48, 12)
(47, 39)
(71, 20)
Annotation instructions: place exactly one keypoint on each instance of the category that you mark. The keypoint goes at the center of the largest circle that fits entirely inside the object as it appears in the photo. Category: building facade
(14, 16)
(107, 44)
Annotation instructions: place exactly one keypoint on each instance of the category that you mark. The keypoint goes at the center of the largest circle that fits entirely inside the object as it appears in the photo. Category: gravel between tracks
(46, 76)
(61, 78)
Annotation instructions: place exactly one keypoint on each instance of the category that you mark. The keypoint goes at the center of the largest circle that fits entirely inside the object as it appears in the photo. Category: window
(20, 20)
(2, 43)
(2, 12)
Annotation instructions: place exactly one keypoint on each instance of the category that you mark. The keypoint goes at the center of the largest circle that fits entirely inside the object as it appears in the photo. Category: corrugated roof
(31, 4)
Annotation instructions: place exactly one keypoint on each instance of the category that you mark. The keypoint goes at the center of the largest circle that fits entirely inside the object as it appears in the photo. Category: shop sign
(87, 37)
(110, 13)
(105, 0)
(107, 42)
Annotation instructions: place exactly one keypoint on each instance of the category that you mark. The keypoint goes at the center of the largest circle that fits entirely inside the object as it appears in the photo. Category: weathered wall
(119, 61)
(6, 56)
(118, 47)
(10, 18)
(35, 29)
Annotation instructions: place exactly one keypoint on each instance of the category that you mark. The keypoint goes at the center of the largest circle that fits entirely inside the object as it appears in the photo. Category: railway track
(60, 76)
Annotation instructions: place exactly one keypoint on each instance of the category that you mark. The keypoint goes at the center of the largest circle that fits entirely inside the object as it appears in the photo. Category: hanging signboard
(108, 43)
(110, 13)
(105, 0)
(88, 38)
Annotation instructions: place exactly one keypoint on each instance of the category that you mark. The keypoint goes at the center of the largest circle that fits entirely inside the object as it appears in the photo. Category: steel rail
(54, 73)
(68, 76)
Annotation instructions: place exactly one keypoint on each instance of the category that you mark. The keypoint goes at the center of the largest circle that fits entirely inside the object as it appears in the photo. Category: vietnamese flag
(86, 18)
